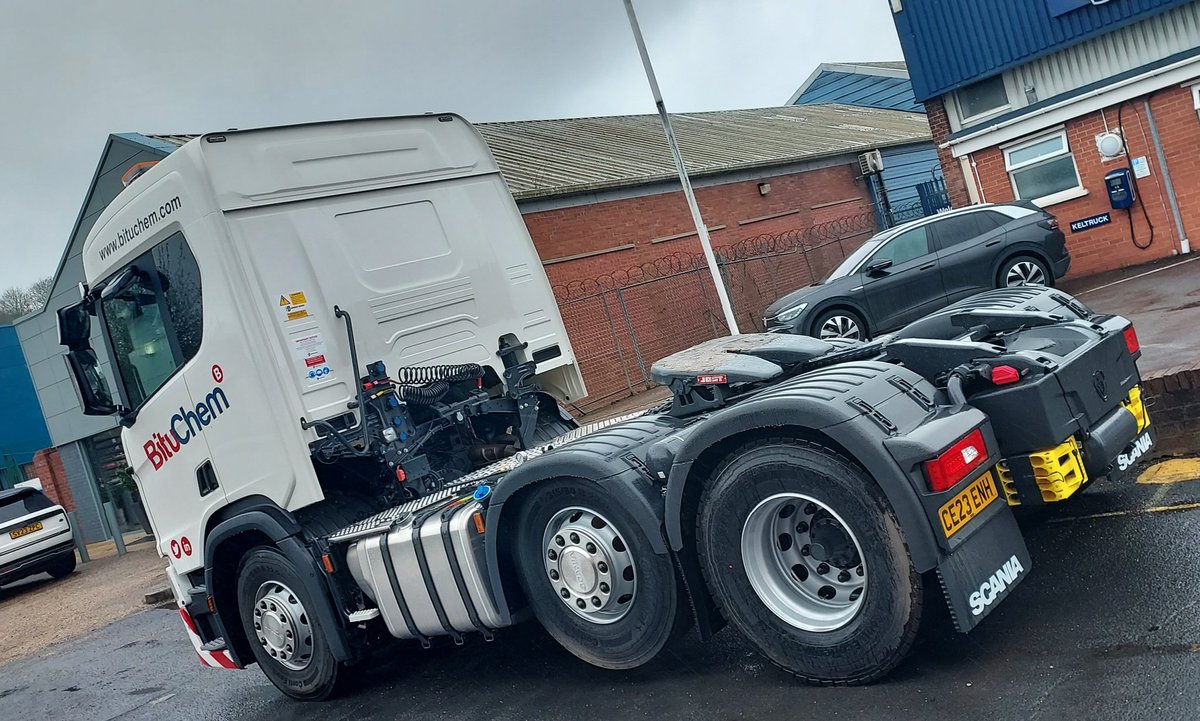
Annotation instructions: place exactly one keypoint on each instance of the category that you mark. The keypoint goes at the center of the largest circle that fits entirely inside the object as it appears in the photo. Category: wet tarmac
(1105, 627)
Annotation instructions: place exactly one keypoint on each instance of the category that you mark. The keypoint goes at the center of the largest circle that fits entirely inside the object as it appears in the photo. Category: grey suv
(914, 269)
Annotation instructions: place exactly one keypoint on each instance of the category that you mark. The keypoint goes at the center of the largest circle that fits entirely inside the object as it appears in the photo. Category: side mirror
(878, 267)
(90, 386)
(75, 326)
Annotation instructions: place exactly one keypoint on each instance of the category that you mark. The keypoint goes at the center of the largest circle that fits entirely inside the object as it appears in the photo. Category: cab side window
(909, 245)
(153, 317)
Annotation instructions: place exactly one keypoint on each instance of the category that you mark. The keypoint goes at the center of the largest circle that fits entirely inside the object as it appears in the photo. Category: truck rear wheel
(288, 641)
(592, 578)
(804, 555)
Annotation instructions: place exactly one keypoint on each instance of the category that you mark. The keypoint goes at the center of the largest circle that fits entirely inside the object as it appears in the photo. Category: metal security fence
(624, 320)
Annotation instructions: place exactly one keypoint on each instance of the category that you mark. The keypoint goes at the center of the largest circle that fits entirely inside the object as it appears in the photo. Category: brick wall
(1174, 397)
(1109, 247)
(48, 467)
(939, 126)
(665, 302)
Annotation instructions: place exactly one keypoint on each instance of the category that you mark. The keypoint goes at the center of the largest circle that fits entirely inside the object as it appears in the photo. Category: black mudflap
(983, 571)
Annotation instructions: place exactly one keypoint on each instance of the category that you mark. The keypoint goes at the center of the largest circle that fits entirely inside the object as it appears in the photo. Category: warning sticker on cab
(293, 306)
(310, 348)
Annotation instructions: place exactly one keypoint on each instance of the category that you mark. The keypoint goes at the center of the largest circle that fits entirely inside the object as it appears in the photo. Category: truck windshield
(153, 323)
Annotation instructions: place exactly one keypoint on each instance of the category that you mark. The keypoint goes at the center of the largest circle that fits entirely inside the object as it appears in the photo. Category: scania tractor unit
(342, 379)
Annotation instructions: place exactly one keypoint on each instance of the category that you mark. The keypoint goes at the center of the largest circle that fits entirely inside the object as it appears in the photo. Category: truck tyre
(592, 578)
(804, 555)
(64, 567)
(288, 641)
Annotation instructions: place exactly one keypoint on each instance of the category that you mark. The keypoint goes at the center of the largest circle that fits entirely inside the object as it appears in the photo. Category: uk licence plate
(958, 511)
(31, 528)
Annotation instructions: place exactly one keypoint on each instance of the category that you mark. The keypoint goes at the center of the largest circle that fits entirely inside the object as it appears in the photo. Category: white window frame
(965, 119)
(1059, 197)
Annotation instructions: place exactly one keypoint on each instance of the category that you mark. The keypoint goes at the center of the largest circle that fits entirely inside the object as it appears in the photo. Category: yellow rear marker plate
(959, 511)
(1176, 470)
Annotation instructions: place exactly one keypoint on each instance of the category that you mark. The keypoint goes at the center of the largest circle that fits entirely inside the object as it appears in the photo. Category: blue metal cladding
(951, 43)
(872, 91)
(22, 428)
(905, 168)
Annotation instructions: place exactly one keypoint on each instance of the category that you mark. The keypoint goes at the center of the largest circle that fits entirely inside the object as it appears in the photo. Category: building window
(1042, 168)
(985, 97)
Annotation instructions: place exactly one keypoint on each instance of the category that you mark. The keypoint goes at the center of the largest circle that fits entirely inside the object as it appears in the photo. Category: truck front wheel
(287, 641)
(805, 556)
(592, 578)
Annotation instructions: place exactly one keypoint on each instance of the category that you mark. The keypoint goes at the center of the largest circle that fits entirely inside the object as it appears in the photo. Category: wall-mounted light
(764, 188)
(1030, 95)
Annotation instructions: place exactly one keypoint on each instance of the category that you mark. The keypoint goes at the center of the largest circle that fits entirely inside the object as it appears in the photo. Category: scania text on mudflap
(338, 365)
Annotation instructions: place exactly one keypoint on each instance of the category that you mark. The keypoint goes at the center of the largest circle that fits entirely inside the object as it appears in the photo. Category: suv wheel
(839, 323)
(1024, 270)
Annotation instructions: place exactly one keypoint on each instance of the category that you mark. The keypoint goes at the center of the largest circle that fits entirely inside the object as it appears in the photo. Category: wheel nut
(805, 550)
(552, 555)
(823, 568)
(801, 527)
(595, 602)
(581, 603)
(844, 576)
(859, 571)
(591, 548)
(603, 588)
(602, 567)
(565, 593)
(574, 538)
(810, 509)
(559, 540)
(553, 575)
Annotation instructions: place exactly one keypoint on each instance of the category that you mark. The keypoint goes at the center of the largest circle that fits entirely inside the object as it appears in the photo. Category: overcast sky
(73, 71)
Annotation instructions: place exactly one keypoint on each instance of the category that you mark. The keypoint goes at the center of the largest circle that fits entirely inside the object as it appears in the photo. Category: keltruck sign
(1078, 226)
(186, 425)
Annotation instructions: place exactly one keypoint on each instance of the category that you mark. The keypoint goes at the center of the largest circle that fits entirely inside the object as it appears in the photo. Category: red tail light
(1131, 341)
(956, 462)
(1050, 223)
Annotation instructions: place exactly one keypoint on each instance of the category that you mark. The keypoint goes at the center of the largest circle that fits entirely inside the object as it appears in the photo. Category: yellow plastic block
(1058, 470)
(1134, 405)
(1007, 484)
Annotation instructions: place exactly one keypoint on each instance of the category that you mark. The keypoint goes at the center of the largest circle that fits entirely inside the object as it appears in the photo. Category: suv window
(989, 220)
(959, 229)
(904, 247)
(154, 322)
(23, 505)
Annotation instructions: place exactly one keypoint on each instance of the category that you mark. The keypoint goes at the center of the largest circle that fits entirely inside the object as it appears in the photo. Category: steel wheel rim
(1025, 272)
(804, 562)
(589, 565)
(282, 626)
(840, 326)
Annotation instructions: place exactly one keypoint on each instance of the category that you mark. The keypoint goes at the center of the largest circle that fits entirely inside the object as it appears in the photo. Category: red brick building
(1048, 115)
(781, 190)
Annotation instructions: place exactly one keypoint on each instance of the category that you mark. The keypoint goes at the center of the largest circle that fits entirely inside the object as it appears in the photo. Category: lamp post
(701, 228)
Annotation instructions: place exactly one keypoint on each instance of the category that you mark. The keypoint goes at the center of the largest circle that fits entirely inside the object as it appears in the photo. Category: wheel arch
(706, 451)
(1016, 251)
(840, 303)
(233, 532)
(633, 491)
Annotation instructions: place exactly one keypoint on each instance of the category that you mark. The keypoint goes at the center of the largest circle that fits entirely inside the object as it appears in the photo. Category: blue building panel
(22, 429)
(952, 43)
(905, 168)
(872, 91)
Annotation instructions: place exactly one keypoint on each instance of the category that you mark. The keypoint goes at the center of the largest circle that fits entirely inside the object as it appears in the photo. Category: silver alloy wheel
(589, 565)
(282, 625)
(1025, 272)
(840, 326)
(804, 562)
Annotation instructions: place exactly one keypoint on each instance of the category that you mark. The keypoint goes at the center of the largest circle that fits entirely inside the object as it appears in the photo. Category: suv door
(966, 246)
(910, 287)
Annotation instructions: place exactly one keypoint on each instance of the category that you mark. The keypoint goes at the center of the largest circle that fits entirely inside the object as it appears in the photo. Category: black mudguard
(612, 459)
(984, 569)
(262, 516)
(857, 405)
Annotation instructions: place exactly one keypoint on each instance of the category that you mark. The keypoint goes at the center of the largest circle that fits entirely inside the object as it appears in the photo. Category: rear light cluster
(1131, 341)
(956, 462)
(1050, 223)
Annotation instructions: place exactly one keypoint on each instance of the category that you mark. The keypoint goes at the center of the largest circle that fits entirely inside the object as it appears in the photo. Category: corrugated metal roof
(888, 65)
(949, 44)
(545, 158)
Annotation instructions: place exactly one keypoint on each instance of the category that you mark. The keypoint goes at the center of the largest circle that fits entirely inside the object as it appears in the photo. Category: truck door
(966, 245)
(909, 287)
(151, 315)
